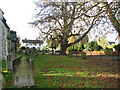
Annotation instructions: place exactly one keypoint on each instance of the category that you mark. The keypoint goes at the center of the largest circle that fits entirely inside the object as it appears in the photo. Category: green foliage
(52, 43)
(85, 45)
(93, 46)
(43, 52)
(81, 47)
(76, 47)
(103, 42)
(83, 55)
(117, 47)
(89, 46)
(72, 39)
(71, 48)
(109, 49)
(22, 47)
(112, 46)
(96, 47)
(6, 72)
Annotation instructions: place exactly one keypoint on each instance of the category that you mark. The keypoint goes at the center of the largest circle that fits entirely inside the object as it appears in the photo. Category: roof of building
(32, 41)
(4, 20)
(1, 11)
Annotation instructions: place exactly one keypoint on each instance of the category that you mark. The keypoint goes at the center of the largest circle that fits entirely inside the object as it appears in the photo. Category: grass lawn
(63, 72)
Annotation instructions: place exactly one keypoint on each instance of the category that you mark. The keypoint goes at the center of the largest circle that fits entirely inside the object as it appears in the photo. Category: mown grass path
(54, 71)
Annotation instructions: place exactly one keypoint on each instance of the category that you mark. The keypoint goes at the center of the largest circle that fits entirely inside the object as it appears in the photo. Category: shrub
(22, 47)
(117, 47)
(76, 47)
(43, 52)
(69, 48)
(93, 46)
(89, 46)
(81, 47)
(96, 47)
(109, 49)
(85, 45)
(83, 55)
(103, 42)
(112, 46)
(72, 48)
(70, 54)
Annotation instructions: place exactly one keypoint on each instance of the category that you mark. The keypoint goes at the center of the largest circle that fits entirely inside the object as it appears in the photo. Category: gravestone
(2, 81)
(10, 59)
(23, 72)
(33, 50)
(27, 51)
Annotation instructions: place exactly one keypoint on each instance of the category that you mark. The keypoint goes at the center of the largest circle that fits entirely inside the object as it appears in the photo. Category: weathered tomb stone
(2, 81)
(23, 74)
(27, 51)
(30, 50)
(34, 51)
(10, 58)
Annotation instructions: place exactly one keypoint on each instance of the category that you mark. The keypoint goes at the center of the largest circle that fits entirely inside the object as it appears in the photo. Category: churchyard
(69, 59)
(56, 71)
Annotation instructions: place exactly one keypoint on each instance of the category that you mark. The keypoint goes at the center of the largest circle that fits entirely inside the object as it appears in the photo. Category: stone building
(4, 37)
(32, 43)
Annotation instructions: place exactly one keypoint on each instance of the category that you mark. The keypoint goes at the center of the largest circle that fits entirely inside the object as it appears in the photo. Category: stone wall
(3, 37)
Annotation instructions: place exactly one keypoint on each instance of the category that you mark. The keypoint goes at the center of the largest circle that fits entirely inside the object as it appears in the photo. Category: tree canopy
(68, 19)
(73, 19)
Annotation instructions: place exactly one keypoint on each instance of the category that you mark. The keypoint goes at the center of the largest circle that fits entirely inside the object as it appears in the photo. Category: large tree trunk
(63, 48)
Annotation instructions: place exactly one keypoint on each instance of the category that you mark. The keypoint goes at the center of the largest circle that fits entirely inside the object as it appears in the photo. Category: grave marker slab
(23, 72)
(27, 51)
(2, 81)
(10, 58)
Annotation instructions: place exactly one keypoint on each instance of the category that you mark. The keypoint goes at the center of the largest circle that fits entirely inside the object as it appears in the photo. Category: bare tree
(67, 19)
(113, 12)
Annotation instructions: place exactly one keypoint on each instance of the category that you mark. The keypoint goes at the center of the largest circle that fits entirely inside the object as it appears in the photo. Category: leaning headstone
(23, 72)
